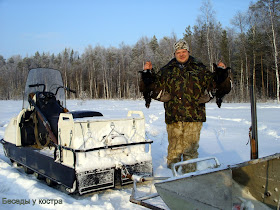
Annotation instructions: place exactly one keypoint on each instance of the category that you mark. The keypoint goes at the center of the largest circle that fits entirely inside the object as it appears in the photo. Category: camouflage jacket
(186, 83)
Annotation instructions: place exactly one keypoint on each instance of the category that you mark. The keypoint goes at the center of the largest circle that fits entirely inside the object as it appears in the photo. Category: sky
(51, 26)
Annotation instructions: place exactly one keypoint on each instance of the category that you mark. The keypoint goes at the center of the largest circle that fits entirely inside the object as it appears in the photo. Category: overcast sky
(51, 26)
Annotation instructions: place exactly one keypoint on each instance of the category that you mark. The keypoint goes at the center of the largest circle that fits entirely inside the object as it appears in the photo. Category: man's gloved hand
(205, 98)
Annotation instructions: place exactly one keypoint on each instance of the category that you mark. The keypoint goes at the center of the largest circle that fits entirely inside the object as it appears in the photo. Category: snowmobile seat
(27, 129)
(82, 114)
(51, 109)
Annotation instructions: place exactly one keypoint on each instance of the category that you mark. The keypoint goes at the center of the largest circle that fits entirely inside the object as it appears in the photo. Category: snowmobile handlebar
(38, 85)
(68, 89)
(44, 89)
(65, 88)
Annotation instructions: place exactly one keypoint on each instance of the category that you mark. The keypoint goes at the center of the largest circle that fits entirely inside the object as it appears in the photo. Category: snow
(91, 133)
(224, 136)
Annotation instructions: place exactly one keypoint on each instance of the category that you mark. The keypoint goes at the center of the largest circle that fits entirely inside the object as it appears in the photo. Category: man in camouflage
(188, 83)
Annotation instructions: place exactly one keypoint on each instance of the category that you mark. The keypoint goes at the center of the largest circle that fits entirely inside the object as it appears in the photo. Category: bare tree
(271, 10)
(240, 22)
(207, 19)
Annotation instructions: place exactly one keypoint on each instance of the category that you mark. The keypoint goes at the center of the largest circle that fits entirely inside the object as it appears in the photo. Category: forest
(250, 46)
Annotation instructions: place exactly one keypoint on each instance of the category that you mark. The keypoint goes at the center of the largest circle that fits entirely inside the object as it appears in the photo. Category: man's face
(182, 55)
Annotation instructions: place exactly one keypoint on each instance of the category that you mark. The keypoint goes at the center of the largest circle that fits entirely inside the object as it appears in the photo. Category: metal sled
(254, 182)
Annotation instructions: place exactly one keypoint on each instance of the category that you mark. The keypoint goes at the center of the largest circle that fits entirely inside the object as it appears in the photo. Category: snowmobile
(83, 151)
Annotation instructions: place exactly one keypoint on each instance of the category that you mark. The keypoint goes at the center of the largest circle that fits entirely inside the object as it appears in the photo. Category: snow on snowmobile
(83, 151)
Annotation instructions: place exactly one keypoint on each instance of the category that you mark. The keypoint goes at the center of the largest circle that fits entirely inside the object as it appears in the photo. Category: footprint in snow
(3, 124)
(153, 118)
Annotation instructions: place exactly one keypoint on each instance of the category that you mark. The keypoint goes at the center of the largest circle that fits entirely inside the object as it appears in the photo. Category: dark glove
(161, 95)
(206, 97)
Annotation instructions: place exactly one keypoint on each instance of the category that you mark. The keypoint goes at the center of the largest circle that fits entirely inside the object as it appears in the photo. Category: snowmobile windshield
(44, 80)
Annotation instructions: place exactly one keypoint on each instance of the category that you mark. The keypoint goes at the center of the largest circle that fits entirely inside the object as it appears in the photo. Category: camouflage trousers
(183, 139)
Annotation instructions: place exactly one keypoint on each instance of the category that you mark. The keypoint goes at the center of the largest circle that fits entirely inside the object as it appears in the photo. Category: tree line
(249, 47)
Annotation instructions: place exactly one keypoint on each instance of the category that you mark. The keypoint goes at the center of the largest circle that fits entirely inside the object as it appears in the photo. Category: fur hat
(181, 44)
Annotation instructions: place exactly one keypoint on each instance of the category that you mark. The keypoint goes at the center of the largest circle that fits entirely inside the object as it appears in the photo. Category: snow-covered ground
(224, 135)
